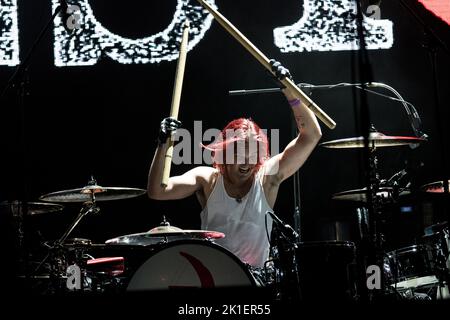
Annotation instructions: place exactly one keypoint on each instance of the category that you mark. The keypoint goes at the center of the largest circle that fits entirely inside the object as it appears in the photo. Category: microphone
(286, 229)
(396, 178)
(410, 170)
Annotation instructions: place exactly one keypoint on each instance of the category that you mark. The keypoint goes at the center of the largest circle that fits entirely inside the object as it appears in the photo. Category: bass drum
(327, 270)
(190, 264)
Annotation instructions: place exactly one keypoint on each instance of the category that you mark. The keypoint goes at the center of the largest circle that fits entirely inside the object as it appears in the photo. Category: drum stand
(442, 271)
(372, 243)
(287, 281)
(56, 251)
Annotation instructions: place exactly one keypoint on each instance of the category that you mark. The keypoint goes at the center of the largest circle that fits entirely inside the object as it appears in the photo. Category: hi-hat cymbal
(376, 140)
(33, 208)
(434, 187)
(360, 195)
(85, 194)
(161, 233)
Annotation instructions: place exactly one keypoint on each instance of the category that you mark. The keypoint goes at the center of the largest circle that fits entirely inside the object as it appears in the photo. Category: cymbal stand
(87, 208)
(372, 244)
(375, 203)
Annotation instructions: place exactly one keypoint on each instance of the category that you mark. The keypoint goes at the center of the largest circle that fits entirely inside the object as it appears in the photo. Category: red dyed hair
(241, 129)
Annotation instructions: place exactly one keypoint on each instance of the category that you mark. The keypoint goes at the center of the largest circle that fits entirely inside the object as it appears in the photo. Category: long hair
(239, 132)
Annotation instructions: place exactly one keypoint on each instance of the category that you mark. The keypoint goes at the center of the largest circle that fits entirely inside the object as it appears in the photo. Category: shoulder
(204, 173)
(269, 172)
(206, 177)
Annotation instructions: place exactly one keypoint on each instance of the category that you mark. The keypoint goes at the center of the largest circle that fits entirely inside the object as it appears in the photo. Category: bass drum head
(190, 264)
(327, 270)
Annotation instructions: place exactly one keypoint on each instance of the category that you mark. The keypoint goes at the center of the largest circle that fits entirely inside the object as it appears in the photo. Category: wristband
(294, 102)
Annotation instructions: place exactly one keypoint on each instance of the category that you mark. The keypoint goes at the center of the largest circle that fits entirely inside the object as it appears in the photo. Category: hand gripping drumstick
(265, 62)
(176, 96)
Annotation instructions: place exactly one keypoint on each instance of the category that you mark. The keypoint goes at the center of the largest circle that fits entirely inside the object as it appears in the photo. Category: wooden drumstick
(176, 96)
(330, 123)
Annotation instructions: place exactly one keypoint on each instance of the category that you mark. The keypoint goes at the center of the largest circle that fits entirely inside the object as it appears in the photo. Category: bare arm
(285, 164)
(178, 187)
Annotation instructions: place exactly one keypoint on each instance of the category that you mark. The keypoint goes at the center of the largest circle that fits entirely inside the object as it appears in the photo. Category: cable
(411, 111)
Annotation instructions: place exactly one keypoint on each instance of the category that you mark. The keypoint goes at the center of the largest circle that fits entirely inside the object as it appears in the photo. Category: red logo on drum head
(205, 276)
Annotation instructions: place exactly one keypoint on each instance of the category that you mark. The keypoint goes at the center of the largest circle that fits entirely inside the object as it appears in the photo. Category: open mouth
(244, 170)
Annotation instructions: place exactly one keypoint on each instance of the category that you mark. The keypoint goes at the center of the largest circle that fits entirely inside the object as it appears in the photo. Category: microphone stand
(20, 81)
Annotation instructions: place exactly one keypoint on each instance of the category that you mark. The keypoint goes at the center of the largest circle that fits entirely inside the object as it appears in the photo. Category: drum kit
(420, 271)
(165, 257)
(168, 257)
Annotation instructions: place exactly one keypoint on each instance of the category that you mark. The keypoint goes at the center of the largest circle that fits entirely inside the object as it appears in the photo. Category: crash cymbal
(161, 233)
(360, 195)
(376, 140)
(33, 208)
(434, 187)
(85, 194)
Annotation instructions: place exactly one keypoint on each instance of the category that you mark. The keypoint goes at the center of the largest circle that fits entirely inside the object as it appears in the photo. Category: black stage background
(103, 119)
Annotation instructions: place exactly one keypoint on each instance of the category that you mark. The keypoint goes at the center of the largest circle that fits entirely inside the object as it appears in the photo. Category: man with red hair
(242, 186)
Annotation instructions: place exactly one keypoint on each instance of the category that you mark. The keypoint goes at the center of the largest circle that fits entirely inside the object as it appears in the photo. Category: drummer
(242, 185)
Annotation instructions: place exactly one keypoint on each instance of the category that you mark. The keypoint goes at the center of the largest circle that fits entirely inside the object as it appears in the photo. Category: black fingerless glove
(168, 125)
(281, 72)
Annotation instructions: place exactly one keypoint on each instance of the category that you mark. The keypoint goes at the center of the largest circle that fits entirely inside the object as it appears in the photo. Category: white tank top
(243, 223)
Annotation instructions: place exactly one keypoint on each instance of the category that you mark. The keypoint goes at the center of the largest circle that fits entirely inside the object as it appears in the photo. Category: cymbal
(33, 208)
(434, 187)
(376, 140)
(85, 194)
(161, 233)
(360, 195)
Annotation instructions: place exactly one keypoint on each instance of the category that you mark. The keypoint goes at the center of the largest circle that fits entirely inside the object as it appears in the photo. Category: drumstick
(265, 62)
(176, 96)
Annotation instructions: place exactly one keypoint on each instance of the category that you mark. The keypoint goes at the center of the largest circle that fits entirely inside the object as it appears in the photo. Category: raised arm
(178, 187)
(285, 164)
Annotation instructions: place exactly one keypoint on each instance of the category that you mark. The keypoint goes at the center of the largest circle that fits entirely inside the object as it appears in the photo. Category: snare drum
(190, 264)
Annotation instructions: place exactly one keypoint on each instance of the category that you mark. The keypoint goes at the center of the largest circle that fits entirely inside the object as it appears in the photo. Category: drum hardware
(164, 233)
(437, 237)
(86, 193)
(33, 208)
(328, 270)
(421, 271)
(376, 140)
(434, 187)
(15, 213)
(377, 194)
(360, 195)
(59, 252)
(284, 241)
(193, 263)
